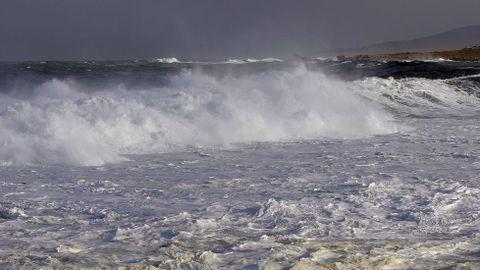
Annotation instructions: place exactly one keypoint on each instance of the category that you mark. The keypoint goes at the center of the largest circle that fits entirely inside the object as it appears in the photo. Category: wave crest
(168, 60)
(59, 124)
(425, 97)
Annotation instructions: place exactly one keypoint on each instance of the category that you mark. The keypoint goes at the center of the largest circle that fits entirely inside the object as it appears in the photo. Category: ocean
(240, 164)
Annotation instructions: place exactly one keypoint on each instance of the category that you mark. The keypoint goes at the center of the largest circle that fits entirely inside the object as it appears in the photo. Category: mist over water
(61, 123)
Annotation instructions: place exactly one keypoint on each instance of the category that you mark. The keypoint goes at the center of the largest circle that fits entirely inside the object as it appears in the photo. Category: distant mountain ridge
(458, 38)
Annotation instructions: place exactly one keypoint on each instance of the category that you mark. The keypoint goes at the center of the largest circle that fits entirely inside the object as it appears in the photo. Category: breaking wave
(168, 60)
(252, 60)
(173, 60)
(59, 123)
(425, 97)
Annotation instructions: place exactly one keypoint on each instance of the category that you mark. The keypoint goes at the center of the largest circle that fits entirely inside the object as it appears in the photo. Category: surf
(60, 122)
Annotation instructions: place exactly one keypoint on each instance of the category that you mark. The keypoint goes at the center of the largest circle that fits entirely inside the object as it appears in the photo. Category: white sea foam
(168, 60)
(267, 60)
(252, 60)
(234, 61)
(60, 124)
(423, 96)
(438, 60)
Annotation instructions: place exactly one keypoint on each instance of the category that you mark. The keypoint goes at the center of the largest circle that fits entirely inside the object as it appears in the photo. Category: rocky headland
(466, 54)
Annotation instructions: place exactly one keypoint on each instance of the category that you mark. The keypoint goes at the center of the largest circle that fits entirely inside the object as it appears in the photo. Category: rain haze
(209, 29)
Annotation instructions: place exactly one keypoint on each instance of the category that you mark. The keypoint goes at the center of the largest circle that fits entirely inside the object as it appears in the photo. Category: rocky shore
(466, 54)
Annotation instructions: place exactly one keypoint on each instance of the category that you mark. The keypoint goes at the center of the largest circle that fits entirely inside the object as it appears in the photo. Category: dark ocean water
(153, 71)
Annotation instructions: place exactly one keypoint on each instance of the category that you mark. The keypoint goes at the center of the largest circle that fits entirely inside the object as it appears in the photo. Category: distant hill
(454, 39)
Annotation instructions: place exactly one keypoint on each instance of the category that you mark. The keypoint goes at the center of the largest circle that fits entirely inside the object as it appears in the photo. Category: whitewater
(59, 123)
(240, 164)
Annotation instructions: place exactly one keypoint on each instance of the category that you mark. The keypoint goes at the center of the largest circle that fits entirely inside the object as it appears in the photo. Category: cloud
(124, 29)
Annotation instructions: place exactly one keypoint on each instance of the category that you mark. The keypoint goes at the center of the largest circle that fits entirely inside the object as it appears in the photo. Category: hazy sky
(133, 29)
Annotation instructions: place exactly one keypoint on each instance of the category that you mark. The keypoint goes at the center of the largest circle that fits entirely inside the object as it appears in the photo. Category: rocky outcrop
(466, 54)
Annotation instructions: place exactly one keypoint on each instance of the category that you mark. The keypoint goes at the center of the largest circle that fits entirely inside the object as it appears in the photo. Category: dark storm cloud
(125, 29)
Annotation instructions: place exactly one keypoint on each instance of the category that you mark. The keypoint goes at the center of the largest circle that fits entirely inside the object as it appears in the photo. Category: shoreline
(466, 54)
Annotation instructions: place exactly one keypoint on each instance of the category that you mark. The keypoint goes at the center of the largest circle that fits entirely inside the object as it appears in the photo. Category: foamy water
(61, 124)
(254, 166)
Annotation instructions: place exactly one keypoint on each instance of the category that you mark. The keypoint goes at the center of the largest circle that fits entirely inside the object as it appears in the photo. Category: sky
(215, 29)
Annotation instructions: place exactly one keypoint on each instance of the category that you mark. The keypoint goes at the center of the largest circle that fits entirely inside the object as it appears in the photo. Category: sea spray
(62, 124)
